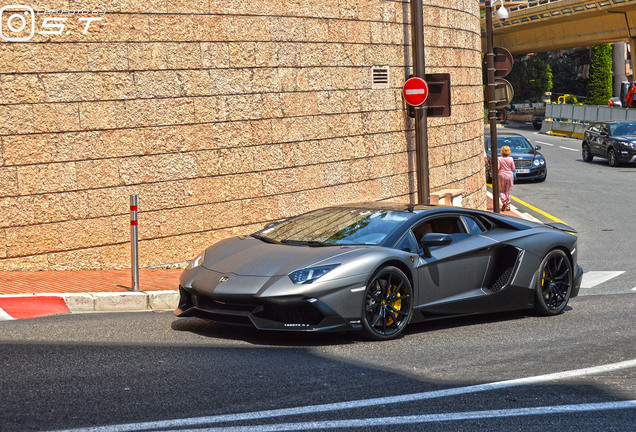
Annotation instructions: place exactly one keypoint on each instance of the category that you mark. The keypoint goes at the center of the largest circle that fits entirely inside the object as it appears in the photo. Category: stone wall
(221, 116)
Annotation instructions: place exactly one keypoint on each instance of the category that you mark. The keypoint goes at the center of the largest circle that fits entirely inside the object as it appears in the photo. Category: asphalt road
(109, 369)
(500, 372)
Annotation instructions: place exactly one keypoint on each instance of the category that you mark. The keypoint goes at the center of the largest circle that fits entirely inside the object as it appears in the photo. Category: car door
(593, 138)
(452, 272)
(604, 139)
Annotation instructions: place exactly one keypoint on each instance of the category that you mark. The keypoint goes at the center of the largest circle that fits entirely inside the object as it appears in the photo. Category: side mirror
(434, 240)
(538, 147)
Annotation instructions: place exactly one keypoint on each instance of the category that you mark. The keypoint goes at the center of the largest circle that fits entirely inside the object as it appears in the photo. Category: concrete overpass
(547, 25)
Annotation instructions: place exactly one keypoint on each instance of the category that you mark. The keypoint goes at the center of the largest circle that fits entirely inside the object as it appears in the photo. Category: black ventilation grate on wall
(380, 77)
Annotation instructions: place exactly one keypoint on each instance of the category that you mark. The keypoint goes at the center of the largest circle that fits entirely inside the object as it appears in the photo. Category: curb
(14, 306)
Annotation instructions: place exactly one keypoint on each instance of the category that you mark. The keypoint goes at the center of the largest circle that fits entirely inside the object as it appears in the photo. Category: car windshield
(623, 129)
(336, 226)
(517, 144)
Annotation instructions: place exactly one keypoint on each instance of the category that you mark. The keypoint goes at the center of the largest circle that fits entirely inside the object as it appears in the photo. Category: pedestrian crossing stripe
(594, 278)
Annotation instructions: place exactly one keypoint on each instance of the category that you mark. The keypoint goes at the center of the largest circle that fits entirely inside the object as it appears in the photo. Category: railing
(531, 4)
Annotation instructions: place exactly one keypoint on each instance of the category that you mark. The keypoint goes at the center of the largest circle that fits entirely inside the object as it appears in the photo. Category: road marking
(544, 143)
(568, 148)
(361, 403)
(428, 418)
(531, 207)
(634, 289)
(5, 316)
(594, 278)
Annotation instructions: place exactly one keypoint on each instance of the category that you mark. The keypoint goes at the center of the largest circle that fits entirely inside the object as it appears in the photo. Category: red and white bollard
(134, 243)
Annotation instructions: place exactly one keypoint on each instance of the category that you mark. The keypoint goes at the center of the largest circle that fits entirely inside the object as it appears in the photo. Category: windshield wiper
(304, 242)
(265, 239)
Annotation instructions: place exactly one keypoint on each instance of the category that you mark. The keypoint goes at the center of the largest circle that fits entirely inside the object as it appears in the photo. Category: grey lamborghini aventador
(376, 267)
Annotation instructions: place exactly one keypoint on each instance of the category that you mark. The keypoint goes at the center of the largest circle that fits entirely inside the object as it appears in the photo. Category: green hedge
(599, 87)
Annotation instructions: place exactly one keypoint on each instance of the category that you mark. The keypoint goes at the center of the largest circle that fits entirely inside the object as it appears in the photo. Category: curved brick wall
(221, 118)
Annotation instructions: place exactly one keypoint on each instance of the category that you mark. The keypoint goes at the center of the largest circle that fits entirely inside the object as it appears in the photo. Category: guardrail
(589, 113)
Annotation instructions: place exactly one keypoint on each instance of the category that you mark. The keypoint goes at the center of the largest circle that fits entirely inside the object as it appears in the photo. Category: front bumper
(284, 313)
(533, 174)
(626, 155)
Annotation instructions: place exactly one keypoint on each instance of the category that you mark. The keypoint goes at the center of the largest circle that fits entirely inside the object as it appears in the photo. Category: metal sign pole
(134, 243)
(421, 134)
(492, 108)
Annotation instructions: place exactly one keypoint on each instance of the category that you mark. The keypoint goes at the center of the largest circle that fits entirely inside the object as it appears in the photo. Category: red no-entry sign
(415, 91)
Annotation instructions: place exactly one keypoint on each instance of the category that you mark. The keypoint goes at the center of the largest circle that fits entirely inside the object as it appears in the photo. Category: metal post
(492, 107)
(134, 243)
(421, 134)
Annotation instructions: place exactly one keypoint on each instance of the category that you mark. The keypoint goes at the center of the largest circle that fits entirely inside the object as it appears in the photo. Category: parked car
(529, 163)
(612, 140)
(375, 267)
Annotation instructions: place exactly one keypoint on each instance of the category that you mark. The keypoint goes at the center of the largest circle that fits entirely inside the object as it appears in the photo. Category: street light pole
(421, 134)
(492, 107)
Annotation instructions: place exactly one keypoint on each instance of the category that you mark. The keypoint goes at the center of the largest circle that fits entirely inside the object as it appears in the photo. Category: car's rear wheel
(388, 304)
(587, 156)
(554, 283)
(611, 155)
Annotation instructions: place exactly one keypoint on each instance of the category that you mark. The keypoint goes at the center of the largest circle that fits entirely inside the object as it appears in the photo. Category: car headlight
(196, 262)
(539, 162)
(310, 274)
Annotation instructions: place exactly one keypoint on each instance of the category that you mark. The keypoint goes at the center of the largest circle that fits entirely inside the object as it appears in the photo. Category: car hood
(247, 256)
(519, 156)
(631, 138)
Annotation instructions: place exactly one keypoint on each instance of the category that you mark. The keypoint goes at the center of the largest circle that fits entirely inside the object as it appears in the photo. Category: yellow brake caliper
(397, 303)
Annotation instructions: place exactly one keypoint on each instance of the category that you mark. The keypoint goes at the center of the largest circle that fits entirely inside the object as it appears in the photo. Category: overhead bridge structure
(547, 25)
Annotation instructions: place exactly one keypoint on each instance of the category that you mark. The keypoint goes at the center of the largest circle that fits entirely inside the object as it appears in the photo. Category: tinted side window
(474, 226)
(407, 244)
(441, 225)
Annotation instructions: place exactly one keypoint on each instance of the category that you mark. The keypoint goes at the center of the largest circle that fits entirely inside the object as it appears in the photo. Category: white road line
(568, 148)
(594, 278)
(362, 403)
(425, 418)
(5, 316)
(544, 143)
(634, 289)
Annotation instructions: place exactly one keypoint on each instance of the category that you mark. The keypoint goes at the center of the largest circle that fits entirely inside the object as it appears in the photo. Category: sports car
(375, 267)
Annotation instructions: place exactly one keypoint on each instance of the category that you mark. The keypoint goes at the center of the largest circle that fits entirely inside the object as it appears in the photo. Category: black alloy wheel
(611, 155)
(587, 156)
(554, 283)
(388, 304)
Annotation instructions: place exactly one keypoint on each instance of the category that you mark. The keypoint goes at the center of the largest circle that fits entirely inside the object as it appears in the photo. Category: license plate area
(523, 171)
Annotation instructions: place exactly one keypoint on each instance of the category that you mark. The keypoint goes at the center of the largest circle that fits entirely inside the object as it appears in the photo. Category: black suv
(612, 140)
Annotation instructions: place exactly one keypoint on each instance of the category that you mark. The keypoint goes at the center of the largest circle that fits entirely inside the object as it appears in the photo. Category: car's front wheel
(554, 283)
(587, 155)
(388, 304)
(611, 155)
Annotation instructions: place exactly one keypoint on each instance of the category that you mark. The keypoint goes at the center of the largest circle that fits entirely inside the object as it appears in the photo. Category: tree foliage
(564, 77)
(599, 87)
(530, 79)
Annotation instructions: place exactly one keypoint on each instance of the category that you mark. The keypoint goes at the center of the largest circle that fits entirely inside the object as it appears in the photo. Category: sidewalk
(31, 294)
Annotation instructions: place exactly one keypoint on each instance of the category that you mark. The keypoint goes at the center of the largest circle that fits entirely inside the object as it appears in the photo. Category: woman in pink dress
(506, 177)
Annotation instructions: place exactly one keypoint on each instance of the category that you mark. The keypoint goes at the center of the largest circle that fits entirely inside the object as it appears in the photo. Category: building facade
(221, 116)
